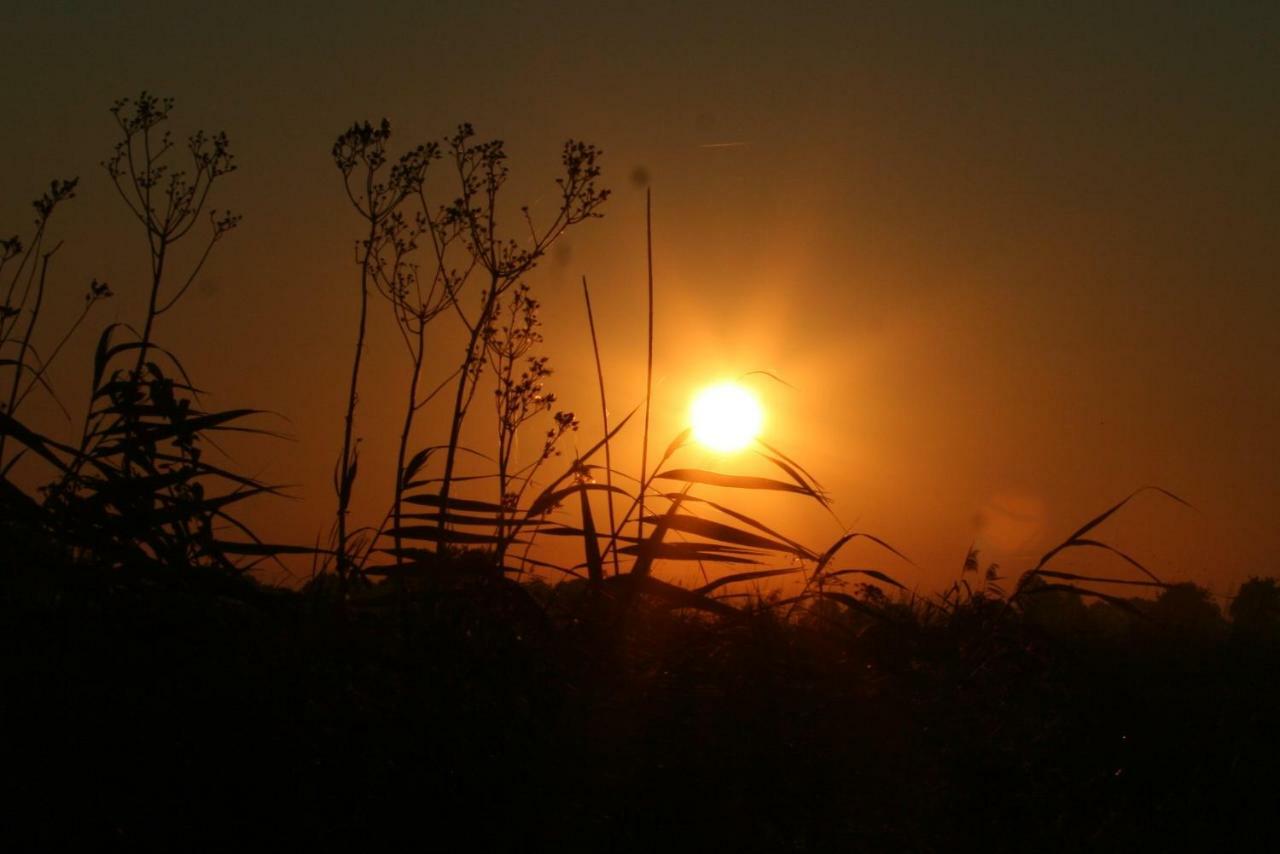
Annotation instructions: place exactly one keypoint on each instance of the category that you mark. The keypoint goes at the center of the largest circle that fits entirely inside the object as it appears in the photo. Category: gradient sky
(1014, 261)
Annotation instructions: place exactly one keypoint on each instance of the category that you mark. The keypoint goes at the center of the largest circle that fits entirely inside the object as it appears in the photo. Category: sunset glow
(726, 417)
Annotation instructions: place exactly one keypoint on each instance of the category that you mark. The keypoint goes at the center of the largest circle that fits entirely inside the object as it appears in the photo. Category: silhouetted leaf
(690, 552)
(852, 535)
(755, 523)
(413, 465)
(734, 481)
(1076, 538)
(1050, 573)
(681, 439)
(591, 546)
(808, 476)
(724, 533)
(41, 445)
(431, 500)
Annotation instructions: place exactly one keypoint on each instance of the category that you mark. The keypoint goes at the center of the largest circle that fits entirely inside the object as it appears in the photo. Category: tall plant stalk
(361, 156)
(482, 172)
(648, 369)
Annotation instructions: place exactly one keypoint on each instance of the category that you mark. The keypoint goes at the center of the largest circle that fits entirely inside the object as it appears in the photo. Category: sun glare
(726, 417)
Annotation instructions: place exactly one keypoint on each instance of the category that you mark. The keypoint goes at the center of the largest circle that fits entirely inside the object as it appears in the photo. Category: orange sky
(1014, 263)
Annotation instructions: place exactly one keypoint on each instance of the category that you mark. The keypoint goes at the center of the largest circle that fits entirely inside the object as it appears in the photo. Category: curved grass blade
(755, 523)
(1115, 551)
(41, 445)
(1097, 579)
(779, 454)
(590, 545)
(852, 535)
(647, 551)
(691, 552)
(433, 500)
(733, 481)
(1076, 538)
(724, 533)
(37, 379)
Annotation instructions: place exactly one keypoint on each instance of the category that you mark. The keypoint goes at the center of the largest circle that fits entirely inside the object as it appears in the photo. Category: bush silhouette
(1255, 610)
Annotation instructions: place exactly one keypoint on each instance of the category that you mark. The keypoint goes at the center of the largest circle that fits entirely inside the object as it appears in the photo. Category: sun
(726, 417)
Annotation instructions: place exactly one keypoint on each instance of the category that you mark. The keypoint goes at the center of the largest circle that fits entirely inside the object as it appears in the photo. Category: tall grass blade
(604, 416)
(591, 545)
(648, 373)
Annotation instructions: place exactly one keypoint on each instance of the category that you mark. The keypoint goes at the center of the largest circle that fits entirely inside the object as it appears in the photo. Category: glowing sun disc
(726, 417)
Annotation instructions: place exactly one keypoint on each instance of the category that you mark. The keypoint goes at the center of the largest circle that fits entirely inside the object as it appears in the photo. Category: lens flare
(726, 417)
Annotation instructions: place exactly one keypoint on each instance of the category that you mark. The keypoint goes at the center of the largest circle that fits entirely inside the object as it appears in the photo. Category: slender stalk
(345, 474)
(460, 405)
(409, 413)
(604, 415)
(648, 375)
(157, 274)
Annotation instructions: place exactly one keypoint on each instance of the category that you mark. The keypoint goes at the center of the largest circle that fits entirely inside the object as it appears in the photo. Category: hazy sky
(1015, 260)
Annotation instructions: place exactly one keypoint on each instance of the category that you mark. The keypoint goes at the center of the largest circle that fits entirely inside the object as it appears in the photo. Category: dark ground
(139, 711)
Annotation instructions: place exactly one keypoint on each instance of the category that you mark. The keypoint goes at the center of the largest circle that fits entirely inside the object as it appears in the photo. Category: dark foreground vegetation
(441, 680)
(137, 708)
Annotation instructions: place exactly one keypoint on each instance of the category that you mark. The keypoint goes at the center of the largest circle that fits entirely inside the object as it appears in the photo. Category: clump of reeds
(136, 487)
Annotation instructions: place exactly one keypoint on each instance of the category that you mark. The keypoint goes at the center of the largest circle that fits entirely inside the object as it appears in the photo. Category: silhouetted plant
(26, 268)
(1255, 610)
(519, 397)
(137, 490)
(504, 261)
(466, 243)
(376, 188)
(417, 296)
